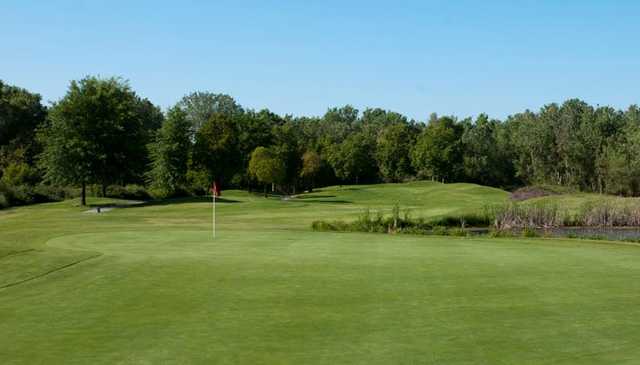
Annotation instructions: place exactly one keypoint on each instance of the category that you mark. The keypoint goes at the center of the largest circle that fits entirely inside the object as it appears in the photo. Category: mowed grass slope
(147, 284)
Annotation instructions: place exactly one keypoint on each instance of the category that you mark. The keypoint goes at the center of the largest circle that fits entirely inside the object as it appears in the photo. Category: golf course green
(148, 284)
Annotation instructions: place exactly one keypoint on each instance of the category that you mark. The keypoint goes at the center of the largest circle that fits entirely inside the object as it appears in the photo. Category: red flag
(215, 189)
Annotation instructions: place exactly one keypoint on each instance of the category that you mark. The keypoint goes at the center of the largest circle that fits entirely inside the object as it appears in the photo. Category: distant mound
(538, 191)
(422, 198)
(530, 192)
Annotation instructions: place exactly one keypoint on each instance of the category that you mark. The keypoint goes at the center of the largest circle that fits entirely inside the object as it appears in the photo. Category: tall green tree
(266, 167)
(216, 150)
(92, 135)
(532, 139)
(378, 118)
(437, 153)
(311, 164)
(21, 113)
(392, 152)
(200, 106)
(334, 126)
(286, 144)
(618, 164)
(170, 154)
(354, 160)
(255, 129)
(615, 172)
(487, 156)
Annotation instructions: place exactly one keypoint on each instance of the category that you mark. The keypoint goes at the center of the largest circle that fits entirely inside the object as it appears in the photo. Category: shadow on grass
(311, 200)
(188, 200)
(334, 201)
(300, 197)
(162, 202)
(349, 188)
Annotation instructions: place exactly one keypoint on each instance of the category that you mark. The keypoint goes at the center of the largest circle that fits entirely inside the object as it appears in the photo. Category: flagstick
(214, 214)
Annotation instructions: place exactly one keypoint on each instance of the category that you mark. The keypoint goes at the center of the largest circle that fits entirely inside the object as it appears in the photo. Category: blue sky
(301, 57)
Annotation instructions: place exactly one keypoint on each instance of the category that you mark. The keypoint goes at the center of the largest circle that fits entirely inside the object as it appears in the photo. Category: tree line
(102, 133)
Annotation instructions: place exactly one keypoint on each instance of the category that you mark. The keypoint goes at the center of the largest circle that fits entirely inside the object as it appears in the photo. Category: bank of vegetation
(508, 219)
(401, 221)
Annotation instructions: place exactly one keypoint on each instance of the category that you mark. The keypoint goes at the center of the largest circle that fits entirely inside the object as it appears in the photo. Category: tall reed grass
(515, 216)
(400, 221)
(522, 218)
(604, 213)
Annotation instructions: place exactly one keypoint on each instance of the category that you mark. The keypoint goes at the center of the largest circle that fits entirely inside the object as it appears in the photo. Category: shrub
(17, 195)
(56, 193)
(160, 193)
(367, 222)
(4, 203)
(463, 220)
(395, 215)
(529, 232)
(415, 230)
(459, 232)
(18, 174)
(320, 226)
(497, 233)
(330, 226)
(29, 194)
(25, 194)
(116, 191)
(137, 192)
(197, 182)
(439, 231)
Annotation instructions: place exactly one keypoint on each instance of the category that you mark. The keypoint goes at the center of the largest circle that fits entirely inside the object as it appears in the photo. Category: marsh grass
(510, 219)
(603, 213)
(517, 216)
(400, 221)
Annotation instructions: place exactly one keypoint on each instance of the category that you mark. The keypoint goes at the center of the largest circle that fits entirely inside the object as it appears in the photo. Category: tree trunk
(83, 198)
(265, 191)
(104, 190)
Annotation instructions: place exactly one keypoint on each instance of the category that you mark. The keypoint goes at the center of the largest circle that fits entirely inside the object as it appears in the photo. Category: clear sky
(301, 57)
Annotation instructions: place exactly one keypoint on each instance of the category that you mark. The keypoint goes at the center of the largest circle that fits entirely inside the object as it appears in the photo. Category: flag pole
(213, 193)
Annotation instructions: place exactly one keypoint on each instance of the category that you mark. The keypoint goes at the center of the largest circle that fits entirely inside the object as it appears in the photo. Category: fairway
(147, 284)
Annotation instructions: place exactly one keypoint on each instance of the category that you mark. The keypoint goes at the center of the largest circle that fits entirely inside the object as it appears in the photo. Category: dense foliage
(97, 134)
(170, 154)
(102, 133)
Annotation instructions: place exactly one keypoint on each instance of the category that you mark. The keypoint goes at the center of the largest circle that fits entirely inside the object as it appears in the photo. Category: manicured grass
(147, 284)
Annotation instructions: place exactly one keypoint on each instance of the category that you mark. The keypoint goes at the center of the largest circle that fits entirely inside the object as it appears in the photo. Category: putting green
(149, 285)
